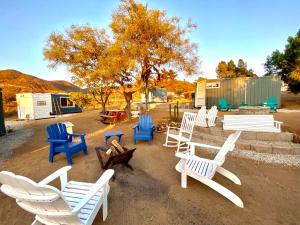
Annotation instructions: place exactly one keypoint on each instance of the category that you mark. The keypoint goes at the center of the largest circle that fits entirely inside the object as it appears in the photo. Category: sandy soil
(151, 194)
(290, 101)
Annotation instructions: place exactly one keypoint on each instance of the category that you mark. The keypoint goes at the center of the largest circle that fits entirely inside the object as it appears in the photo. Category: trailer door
(25, 107)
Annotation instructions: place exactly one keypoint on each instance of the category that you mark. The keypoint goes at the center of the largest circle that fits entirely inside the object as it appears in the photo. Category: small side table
(108, 135)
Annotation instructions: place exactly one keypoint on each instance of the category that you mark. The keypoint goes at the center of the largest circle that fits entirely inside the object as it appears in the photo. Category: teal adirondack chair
(223, 105)
(272, 103)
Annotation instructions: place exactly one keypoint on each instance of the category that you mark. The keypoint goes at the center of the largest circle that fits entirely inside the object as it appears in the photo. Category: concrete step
(247, 135)
(263, 146)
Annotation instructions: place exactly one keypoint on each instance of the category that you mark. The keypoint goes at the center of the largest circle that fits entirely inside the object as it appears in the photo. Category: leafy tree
(221, 69)
(120, 68)
(226, 70)
(166, 77)
(80, 48)
(81, 99)
(153, 40)
(286, 63)
(230, 70)
(242, 68)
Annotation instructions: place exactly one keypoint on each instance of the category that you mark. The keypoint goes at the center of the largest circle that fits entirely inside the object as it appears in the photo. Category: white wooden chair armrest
(101, 182)
(62, 173)
(203, 145)
(276, 121)
(193, 157)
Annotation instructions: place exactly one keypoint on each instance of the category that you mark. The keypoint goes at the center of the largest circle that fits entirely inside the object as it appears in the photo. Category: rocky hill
(13, 82)
(177, 86)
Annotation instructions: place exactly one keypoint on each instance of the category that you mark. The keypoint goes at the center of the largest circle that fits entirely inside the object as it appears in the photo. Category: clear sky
(227, 29)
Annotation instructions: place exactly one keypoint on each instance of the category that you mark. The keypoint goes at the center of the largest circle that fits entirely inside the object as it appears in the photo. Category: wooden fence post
(2, 124)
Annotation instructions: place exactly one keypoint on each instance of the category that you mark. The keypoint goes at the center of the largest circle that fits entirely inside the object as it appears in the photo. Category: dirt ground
(151, 194)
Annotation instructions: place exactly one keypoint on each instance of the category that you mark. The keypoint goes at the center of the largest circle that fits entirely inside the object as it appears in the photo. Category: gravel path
(17, 124)
(13, 140)
(285, 160)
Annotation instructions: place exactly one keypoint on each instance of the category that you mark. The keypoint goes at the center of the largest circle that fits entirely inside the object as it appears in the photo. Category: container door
(200, 93)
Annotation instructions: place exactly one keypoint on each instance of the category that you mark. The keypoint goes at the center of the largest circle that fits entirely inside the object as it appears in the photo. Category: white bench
(258, 123)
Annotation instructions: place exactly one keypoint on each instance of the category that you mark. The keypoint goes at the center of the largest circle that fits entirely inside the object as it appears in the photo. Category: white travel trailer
(34, 105)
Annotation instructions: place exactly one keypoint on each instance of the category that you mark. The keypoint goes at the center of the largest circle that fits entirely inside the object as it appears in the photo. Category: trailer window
(66, 102)
(41, 103)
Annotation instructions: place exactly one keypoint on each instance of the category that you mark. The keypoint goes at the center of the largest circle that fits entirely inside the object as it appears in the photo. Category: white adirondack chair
(201, 117)
(204, 170)
(183, 134)
(211, 116)
(76, 204)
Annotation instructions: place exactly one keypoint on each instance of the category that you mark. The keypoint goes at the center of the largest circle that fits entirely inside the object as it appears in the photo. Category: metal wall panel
(245, 90)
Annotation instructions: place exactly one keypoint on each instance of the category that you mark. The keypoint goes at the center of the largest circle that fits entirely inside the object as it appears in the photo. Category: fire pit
(254, 110)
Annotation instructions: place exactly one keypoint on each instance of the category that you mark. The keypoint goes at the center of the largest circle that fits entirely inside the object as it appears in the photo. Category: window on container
(66, 102)
(41, 103)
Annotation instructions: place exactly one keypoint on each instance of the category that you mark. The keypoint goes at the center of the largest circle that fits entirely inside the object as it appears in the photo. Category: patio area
(151, 194)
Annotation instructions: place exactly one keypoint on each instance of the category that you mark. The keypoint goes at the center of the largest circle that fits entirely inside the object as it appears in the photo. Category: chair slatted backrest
(24, 188)
(272, 101)
(212, 115)
(201, 117)
(57, 131)
(39, 200)
(188, 122)
(223, 103)
(145, 122)
(227, 146)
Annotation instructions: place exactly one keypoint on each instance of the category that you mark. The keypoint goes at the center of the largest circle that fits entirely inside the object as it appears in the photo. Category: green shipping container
(243, 90)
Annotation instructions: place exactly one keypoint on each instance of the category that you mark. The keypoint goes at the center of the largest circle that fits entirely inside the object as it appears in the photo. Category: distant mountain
(177, 86)
(13, 82)
(65, 86)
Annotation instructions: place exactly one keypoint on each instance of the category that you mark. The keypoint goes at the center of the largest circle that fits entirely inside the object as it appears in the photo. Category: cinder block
(264, 148)
(197, 135)
(242, 145)
(226, 133)
(284, 136)
(215, 131)
(265, 136)
(282, 148)
(248, 135)
(217, 138)
(219, 123)
(200, 129)
(295, 148)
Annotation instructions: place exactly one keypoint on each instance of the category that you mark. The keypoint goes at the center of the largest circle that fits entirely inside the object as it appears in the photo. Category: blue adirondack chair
(61, 142)
(272, 103)
(223, 105)
(143, 131)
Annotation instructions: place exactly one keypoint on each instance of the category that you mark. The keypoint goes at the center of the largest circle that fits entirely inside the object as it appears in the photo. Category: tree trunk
(103, 104)
(128, 107)
(146, 95)
(128, 97)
